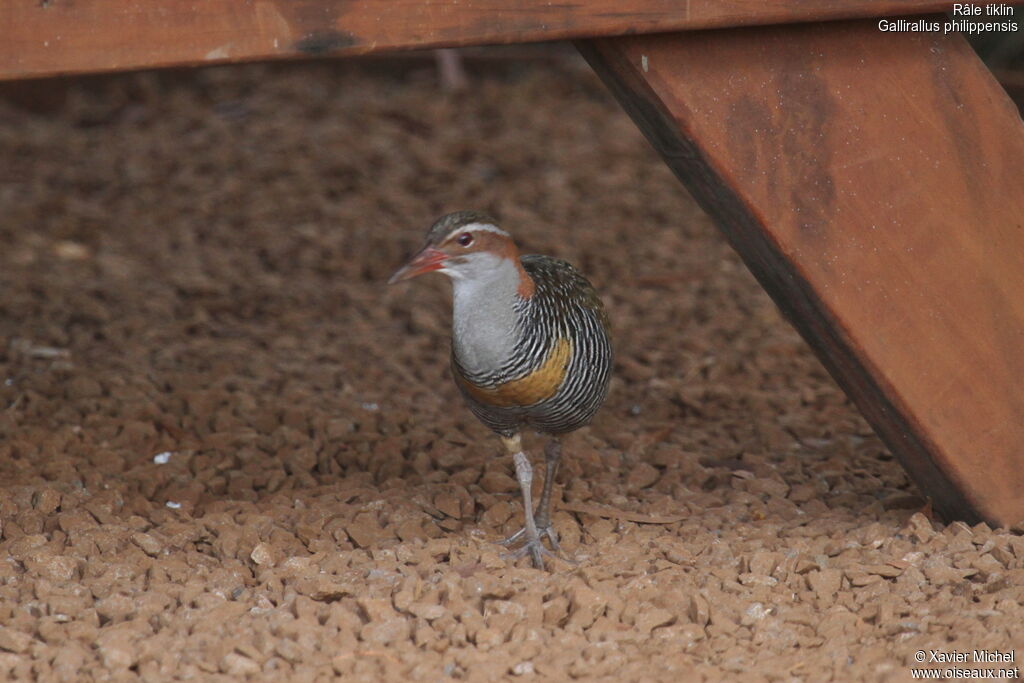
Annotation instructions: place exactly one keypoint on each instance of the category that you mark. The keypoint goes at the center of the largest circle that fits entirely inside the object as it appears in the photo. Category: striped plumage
(564, 306)
(530, 346)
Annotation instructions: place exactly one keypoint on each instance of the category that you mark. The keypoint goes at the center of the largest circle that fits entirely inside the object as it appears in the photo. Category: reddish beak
(429, 259)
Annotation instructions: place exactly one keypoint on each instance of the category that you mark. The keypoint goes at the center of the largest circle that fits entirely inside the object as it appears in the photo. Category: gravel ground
(227, 449)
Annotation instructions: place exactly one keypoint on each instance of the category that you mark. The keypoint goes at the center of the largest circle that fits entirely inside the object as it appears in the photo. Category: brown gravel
(227, 449)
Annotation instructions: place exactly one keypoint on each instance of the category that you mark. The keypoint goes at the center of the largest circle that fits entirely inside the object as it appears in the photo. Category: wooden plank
(874, 184)
(1013, 83)
(51, 37)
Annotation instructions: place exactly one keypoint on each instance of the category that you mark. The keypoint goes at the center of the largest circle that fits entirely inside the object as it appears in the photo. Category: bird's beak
(427, 260)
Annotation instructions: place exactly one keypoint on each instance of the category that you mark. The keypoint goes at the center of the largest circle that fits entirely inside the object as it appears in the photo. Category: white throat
(483, 317)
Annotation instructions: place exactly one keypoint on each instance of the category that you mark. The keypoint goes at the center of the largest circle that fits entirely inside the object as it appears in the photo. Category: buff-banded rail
(530, 348)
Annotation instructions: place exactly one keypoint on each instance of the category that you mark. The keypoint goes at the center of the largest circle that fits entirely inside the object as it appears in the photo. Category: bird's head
(467, 245)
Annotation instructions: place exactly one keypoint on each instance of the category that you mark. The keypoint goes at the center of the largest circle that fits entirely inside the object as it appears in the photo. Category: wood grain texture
(50, 37)
(874, 184)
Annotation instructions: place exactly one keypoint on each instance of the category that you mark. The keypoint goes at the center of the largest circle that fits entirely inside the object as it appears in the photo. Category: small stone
(364, 531)
(698, 610)
(147, 543)
(921, 527)
(410, 530)
(298, 566)
(768, 487)
(235, 664)
(942, 575)
(497, 514)
(802, 493)
(54, 567)
(66, 250)
(498, 482)
(376, 609)
(758, 580)
(804, 565)
(825, 582)
(115, 607)
(755, 613)
(523, 669)
(47, 501)
(763, 563)
(648, 620)
(887, 570)
(860, 579)
(386, 631)
(556, 610)
(449, 505)
(642, 476)
(1003, 556)
(427, 611)
(116, 655)
(585, 606)
(489, 637)
(14, 641)
(76, 521)
(263, 555)
(69, 660)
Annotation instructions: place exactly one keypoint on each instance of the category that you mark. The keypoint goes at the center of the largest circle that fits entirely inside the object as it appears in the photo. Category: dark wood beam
(874, 184)
(52, 37)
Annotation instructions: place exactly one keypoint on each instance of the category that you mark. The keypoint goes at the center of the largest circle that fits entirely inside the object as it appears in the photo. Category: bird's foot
(535, 546)
(542, 531)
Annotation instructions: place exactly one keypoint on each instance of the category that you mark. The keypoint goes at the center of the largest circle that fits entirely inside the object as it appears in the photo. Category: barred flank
(564, 307)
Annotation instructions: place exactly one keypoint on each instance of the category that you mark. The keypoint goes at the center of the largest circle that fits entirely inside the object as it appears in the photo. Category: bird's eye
(465, 239)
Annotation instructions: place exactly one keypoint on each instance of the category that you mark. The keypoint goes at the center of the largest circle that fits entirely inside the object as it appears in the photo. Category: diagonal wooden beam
(874, 184)
(50, 37)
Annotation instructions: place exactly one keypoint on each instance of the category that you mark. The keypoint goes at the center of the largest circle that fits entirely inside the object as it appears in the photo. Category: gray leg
(529, 533)
(524, 473)
(537, 524)
(552, 456)
(542, 516)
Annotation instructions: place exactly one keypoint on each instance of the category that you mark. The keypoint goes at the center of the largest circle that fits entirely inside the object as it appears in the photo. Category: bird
(530, 349)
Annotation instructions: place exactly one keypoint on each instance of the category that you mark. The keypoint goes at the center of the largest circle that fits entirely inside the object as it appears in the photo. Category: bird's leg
(552, 456)
(542, 515)
(524, 473)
